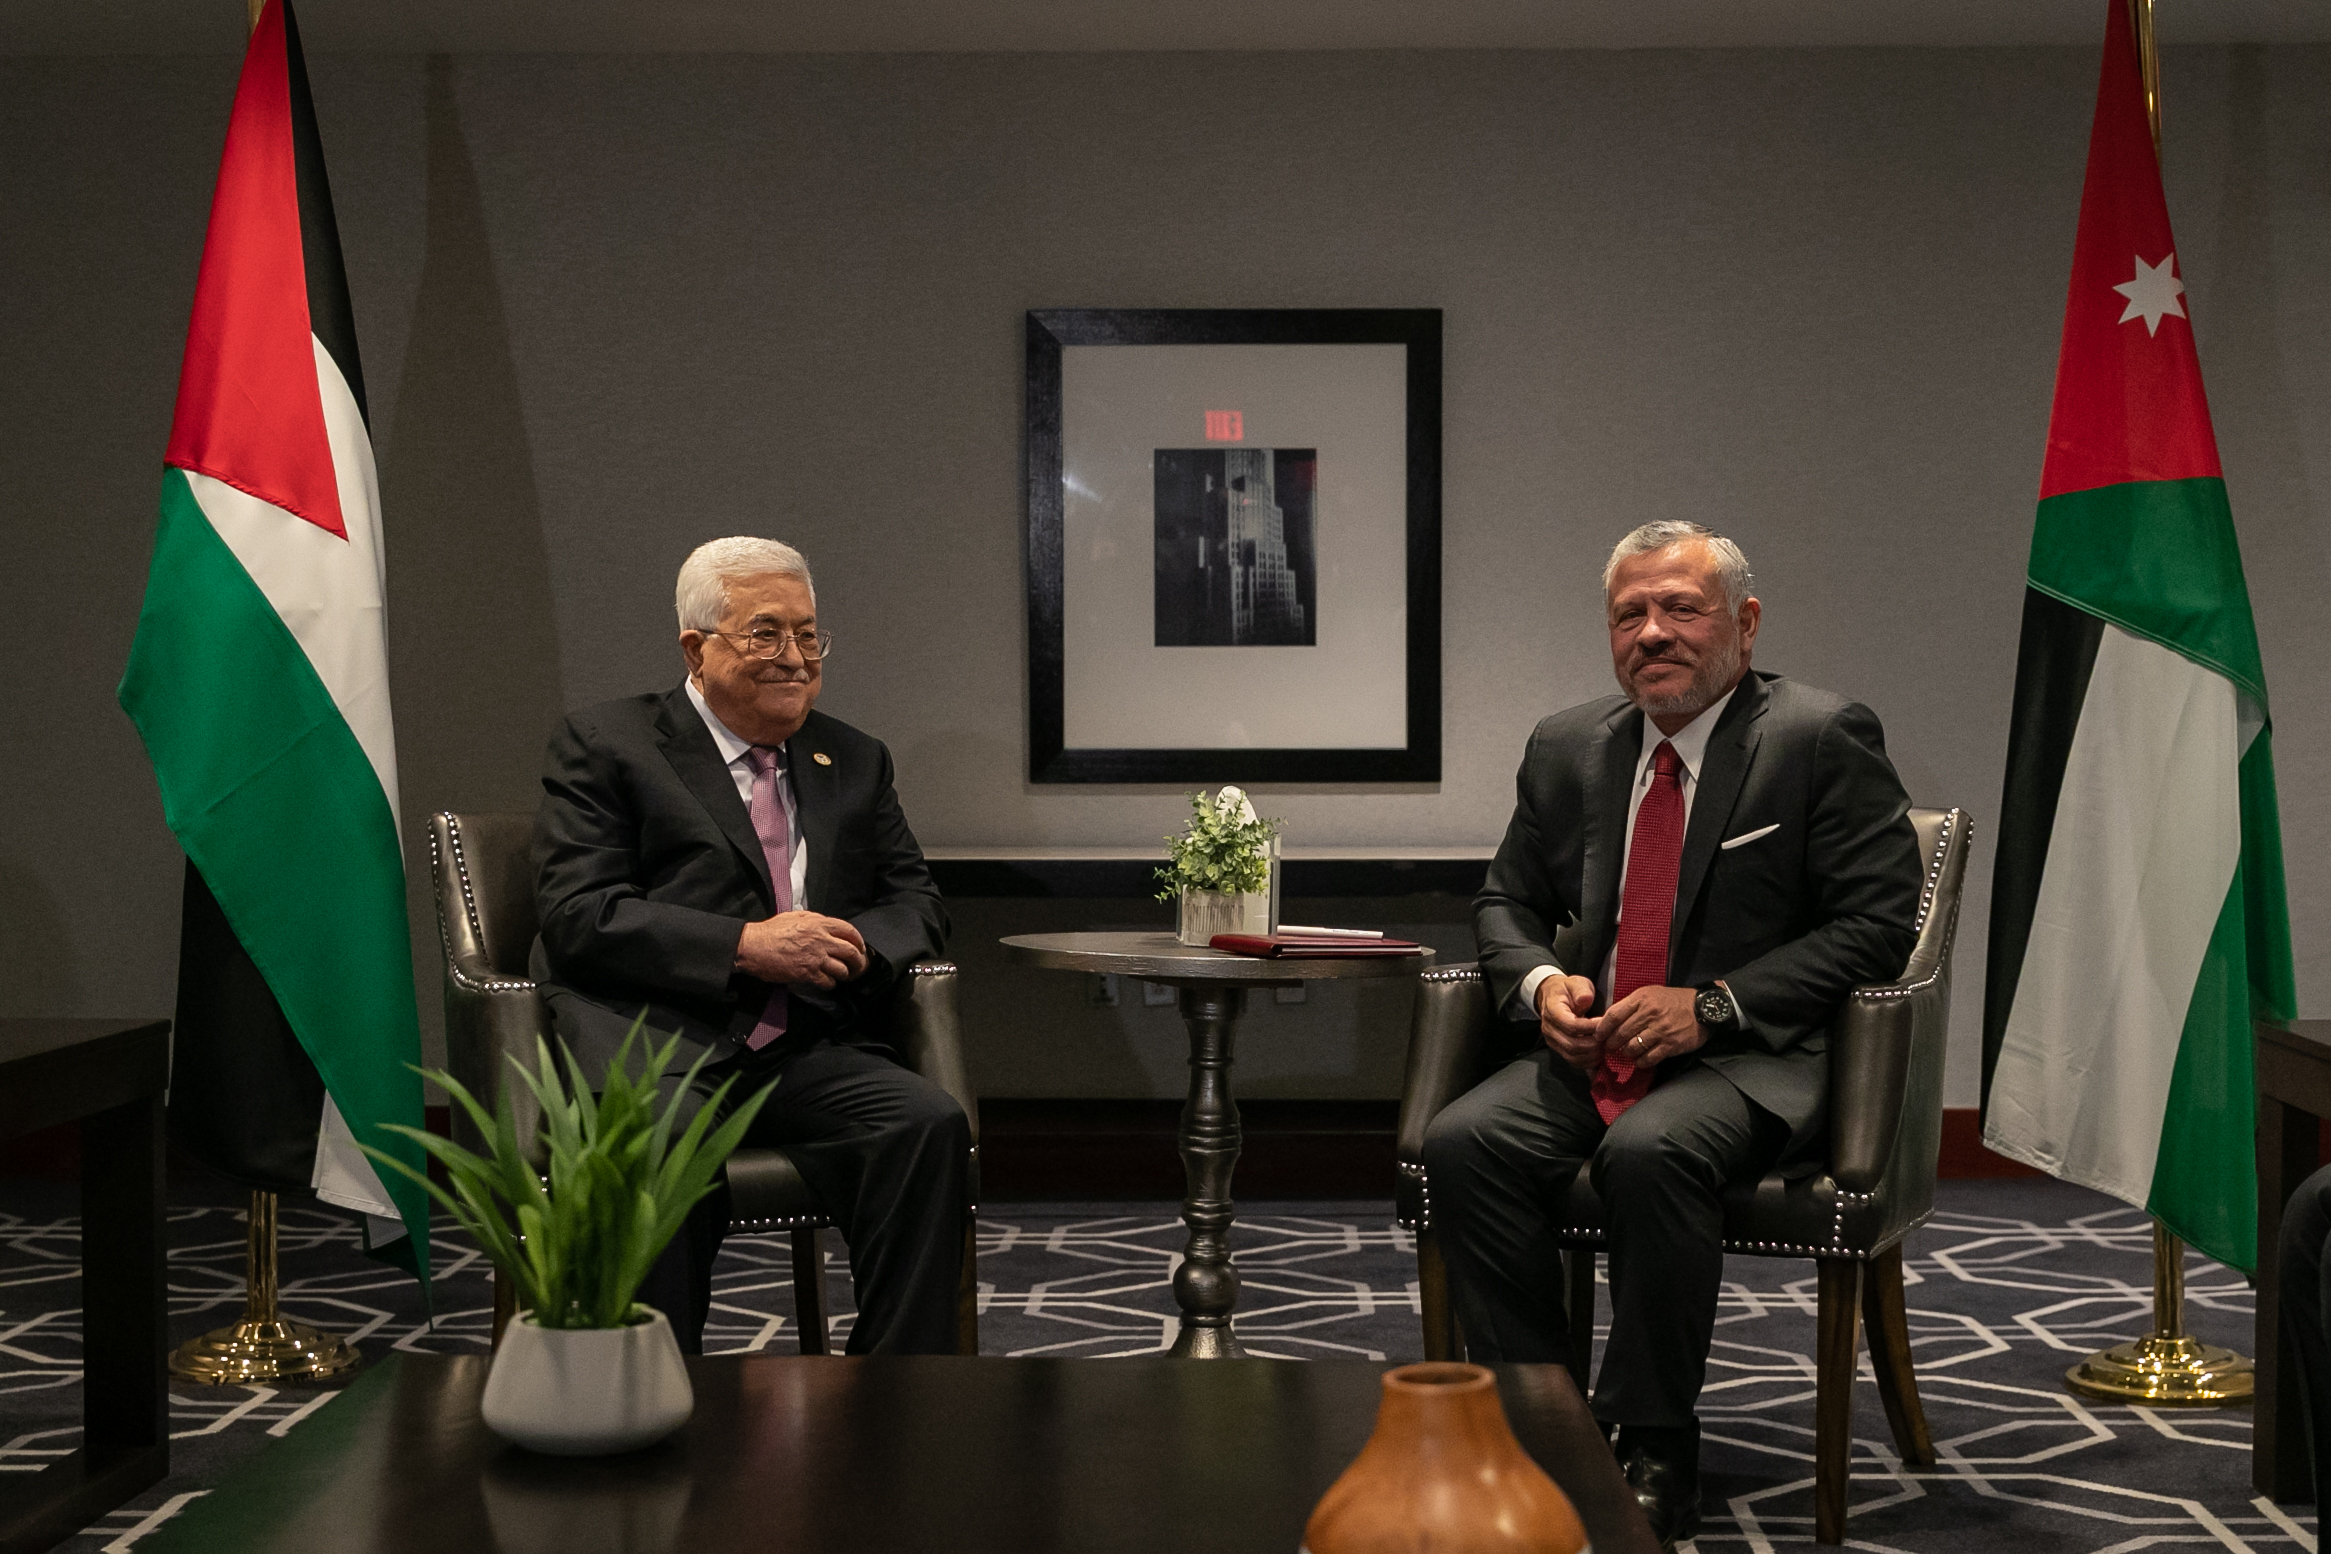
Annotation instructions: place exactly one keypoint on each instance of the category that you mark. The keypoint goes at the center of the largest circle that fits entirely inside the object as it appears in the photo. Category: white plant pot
(1206, 913)
(588, 1391)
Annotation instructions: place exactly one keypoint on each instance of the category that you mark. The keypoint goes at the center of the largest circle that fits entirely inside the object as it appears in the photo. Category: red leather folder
(1298, 947)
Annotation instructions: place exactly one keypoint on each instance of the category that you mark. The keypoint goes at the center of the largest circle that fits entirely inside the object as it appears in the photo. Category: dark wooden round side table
(1212, 993)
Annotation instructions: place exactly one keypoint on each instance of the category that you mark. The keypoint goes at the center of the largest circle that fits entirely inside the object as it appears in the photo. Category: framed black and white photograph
(1234, 545)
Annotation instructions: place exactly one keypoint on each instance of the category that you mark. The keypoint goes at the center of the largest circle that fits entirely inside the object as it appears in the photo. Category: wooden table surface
(2294, 1092)
(869, 1456)
(107, 1075)
(1160, 957)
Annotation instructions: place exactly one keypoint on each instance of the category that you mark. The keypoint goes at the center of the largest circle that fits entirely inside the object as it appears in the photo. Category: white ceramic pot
(1206, 913)
(588, 1391)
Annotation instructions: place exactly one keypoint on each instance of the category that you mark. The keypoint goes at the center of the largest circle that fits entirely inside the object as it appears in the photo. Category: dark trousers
(1500, 1158)
(2306, 1311)
(886, 1152)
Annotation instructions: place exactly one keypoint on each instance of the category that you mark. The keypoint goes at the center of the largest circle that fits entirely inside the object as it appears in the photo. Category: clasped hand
(802, 947)
(1647, 1027)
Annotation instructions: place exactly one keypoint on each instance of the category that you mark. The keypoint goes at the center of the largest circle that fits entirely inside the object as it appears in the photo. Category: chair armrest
(1871, 1043)
(928, 1026)
(489, 1018)
(1886, 1043)
(1449, 1038)
(489, 1015)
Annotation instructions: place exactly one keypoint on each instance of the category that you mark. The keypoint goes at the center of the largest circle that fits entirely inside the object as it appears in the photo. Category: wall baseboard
(1963, 1154)
(1116, 1150)
(1075, 1150)
(1069, 1151)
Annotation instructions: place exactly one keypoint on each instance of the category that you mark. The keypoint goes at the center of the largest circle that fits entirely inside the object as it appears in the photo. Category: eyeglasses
(769, 642)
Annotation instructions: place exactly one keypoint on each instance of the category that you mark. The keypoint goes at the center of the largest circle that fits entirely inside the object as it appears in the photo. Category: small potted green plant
(1224, 869)
(584, 1369)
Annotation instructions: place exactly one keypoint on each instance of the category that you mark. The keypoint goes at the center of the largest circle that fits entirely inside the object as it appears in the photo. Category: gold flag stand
(262, 1346)
(2166, 1369)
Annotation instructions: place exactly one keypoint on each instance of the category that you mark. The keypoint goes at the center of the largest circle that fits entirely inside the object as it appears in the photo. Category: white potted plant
(1224, 869)
(584, 1370)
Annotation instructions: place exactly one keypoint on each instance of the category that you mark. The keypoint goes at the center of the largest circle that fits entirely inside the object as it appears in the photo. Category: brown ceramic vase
(1443, 1473)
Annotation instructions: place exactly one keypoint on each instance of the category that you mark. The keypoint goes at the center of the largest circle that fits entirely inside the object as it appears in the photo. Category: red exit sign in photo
(1225, 426)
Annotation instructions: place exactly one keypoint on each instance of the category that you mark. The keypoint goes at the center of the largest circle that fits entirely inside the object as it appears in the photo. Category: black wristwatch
(1714, 1008)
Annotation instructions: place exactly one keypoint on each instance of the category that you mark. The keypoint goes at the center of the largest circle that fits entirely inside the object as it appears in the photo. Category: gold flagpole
(2148, 66)
(262, 1346)
(2165, 1369)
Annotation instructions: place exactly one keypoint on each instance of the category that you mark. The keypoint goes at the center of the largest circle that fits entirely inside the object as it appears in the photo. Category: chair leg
(1578, 1301)
(1442, 1341)
(809, 1290)
(505, 1304)
(967, 1291)
(1840, 1306)
(1889, 1326)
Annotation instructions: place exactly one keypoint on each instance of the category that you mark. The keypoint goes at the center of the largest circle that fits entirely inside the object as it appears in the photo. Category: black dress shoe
(1662, 1466)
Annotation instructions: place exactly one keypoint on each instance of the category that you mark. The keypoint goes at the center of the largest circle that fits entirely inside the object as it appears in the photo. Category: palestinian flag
(2137, 914)
(259, 680)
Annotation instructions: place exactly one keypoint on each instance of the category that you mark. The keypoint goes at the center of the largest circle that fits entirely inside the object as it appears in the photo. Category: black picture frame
(1050, 759)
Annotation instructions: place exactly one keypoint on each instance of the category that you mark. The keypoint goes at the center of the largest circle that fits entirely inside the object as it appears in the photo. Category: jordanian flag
(2137, 914)
(259, 680)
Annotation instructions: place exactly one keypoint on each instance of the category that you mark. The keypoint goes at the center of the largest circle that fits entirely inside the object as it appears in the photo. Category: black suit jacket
(1792, 921)
(647, 869)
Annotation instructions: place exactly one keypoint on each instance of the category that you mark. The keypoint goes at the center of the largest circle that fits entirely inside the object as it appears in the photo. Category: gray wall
(613, 305)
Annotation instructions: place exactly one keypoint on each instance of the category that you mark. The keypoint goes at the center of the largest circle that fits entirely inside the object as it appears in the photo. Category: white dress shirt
(1691, 747)
(740, 771)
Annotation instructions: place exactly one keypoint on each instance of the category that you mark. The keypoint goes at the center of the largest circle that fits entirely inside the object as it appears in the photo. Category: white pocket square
(1746, 837)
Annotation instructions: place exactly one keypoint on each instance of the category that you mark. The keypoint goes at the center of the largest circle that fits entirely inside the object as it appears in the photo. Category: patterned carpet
(2009, 1284)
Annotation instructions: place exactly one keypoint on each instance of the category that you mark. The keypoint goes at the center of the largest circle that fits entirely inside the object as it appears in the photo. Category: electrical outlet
(1290, 995)
(1101, 989)
(1156, 993)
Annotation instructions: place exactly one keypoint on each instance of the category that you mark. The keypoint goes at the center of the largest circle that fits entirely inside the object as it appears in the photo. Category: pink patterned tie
(1646, 907)
(777, 847)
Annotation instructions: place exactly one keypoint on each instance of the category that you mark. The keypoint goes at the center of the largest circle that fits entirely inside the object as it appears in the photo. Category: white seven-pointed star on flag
(2152, 293)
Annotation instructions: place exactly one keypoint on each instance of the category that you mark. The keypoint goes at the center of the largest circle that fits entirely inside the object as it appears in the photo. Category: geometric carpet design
(2010, 1283)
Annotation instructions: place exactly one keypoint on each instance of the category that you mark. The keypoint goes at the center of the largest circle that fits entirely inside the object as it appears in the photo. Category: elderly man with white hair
(1696, 874)
(735, 863)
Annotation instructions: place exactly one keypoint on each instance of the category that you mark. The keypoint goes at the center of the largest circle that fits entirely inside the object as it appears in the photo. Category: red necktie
(1646, 907)
(768, 812)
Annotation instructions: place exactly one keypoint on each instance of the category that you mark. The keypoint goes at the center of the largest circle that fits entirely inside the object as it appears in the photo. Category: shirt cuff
(1527, 994)
(1739, 1015)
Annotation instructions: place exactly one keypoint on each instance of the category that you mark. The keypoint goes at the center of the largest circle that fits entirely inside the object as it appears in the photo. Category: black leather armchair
(484, 873)
(1885, 1072)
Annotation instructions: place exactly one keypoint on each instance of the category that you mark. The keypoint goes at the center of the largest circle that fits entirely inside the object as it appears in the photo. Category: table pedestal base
(1206, 1284)
(1211, 992)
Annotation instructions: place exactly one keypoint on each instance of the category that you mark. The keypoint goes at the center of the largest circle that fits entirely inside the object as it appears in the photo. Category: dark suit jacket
(647, 868)
(1791, 922)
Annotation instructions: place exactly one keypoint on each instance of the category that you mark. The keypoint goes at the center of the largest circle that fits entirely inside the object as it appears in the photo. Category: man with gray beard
(1696, 874)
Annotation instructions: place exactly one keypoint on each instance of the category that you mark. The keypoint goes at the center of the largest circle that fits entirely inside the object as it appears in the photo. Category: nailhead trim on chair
(1925, 904)
(1416, 1174)
(1414, 1171)
(469, 907)
(1846, 1202)
(754, 1227)
(1942, 845)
